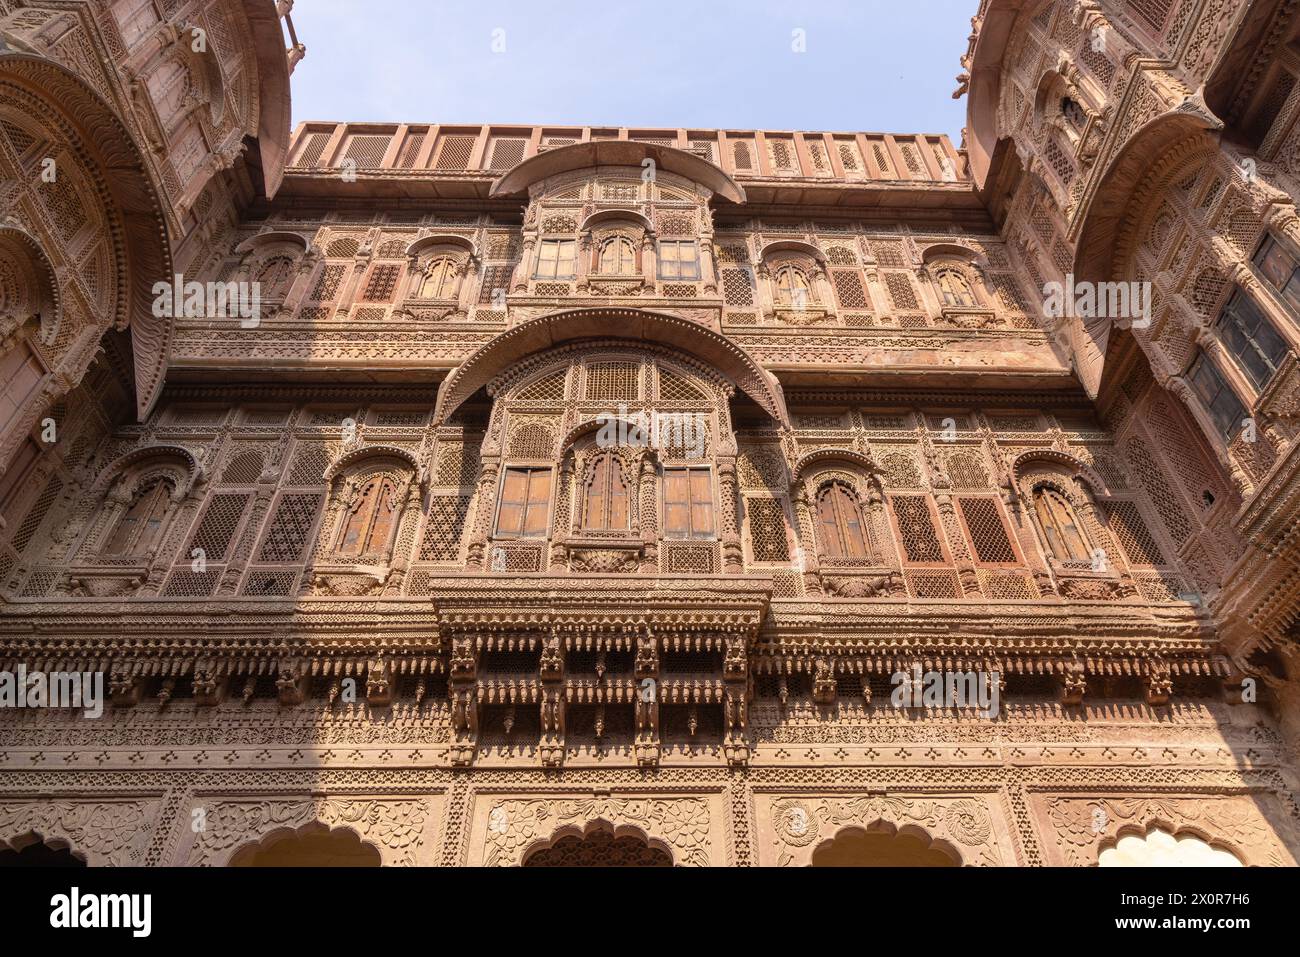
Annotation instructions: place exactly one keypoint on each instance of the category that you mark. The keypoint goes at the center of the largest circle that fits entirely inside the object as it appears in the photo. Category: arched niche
(628, 217)
(373, 496)
(125, 473)
(814, 462)
(439, 242)
(599, 844)
(274, 260)
(312, 845)
(1163, 846)
(437, 266)
(1079, 477)
(795, 249)
(274, 241)
(952, 252)
(33, 850)
(29, 288)
(884, 845)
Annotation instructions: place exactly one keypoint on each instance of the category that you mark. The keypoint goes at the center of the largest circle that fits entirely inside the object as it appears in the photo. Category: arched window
(1073, 113)
(792, 287)
(275, 276)
(439, 280)
(138, 530)
(617, 257)
(1060, 526)
(370, 519)
(841, 523)
(954, 288)
(606, 499)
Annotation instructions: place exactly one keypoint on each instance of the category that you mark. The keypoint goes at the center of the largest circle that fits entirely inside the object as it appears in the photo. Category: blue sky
(871, 65)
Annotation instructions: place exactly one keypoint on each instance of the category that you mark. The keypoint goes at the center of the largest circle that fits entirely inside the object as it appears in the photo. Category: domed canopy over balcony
(617, 153)
(545, 332)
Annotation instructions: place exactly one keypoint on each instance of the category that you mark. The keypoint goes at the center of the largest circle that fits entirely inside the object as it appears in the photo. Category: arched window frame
(121, 484)
(364, 512)
(275, 274)
(347, 479)
(1048, 517)
(838, 500)
(607, 467)
(155, 494)
(617, 256)
(439, 278)
(947, 273)
(787, 279)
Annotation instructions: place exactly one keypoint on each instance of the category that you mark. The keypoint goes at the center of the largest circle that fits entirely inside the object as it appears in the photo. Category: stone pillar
(476, 551)
(649, 514)
(708, 266)
(519, 278)
(807, 533)
(468, 285)
(407, 521)
(729, 513)
(649, 260)
(551, 673)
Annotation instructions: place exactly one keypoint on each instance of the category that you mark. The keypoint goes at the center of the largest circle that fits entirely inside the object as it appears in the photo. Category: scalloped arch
(440, 239)
(792, 246)
(890, 829)
(44, 275)
(270, 238)
(597, 825)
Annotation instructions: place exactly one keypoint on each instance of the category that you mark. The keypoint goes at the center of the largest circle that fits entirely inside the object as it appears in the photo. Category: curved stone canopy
(273, 105)
(617, 153)
(986, 85)
(141, 245)
(1104, 244)
(544, 332)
